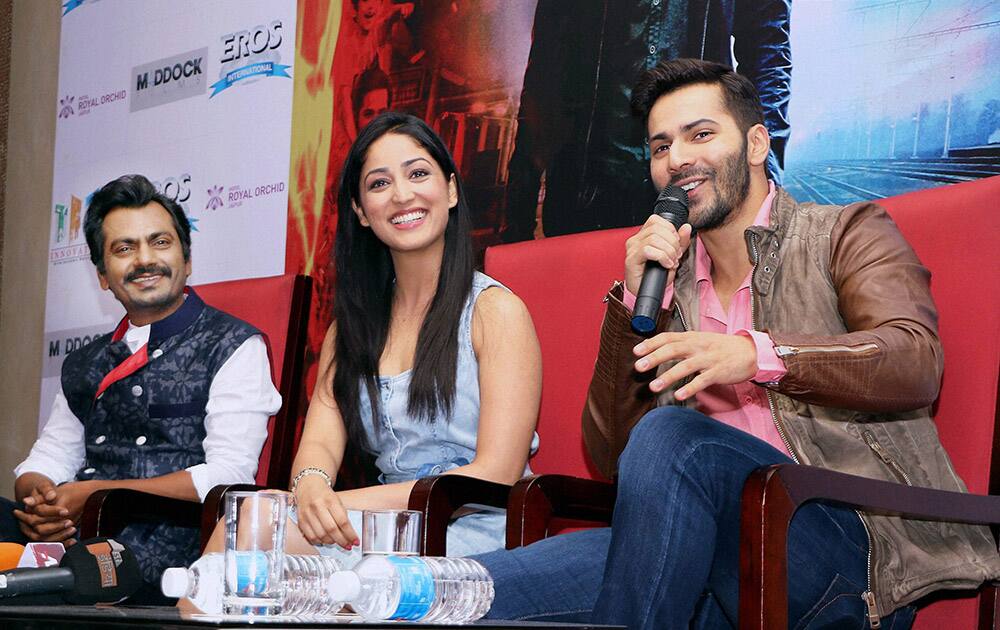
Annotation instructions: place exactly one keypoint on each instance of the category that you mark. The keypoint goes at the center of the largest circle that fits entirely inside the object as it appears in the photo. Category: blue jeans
(671, 557)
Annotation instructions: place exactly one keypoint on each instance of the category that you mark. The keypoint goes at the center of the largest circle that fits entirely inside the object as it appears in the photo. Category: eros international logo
(169, 79)
(179, 189)
(250, 55)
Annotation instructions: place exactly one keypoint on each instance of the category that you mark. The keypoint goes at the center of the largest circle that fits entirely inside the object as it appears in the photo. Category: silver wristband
(311, 470)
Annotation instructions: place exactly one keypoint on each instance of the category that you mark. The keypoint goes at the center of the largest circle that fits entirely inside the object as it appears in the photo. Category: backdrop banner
(197, 96)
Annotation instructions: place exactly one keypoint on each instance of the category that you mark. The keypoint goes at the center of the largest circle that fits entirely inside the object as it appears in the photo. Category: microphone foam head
(105, 571)
(672, 205)
(10, 555)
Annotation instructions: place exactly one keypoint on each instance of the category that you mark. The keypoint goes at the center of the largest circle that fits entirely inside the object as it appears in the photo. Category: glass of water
(394, 532)
(255, 552)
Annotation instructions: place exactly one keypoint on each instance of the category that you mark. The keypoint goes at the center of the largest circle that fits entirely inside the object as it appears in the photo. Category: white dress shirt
(241, 398)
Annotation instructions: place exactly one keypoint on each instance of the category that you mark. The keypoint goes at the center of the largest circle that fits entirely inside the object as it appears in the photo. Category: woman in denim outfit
(429, 365)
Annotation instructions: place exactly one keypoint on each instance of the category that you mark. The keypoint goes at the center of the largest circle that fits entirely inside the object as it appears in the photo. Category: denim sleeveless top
(408, 448)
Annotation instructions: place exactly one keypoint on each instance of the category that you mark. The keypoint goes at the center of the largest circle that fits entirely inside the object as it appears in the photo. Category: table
(86, 617)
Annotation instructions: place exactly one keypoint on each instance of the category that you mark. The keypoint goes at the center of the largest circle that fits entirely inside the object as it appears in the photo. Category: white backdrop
(195, 95)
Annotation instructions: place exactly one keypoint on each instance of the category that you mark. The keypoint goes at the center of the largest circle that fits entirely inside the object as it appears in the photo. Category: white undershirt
(241, 398)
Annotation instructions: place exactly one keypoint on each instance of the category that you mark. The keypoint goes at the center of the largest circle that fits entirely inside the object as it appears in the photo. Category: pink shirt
(743, 405)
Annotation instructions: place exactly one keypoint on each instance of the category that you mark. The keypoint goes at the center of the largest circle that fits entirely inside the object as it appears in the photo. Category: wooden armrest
(107, 512)
(439, 496)
(215, 507)
(771, 496)
(537, 499)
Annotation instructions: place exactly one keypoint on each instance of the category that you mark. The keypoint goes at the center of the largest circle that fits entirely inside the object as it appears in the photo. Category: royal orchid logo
(214, 198)
(66, 107)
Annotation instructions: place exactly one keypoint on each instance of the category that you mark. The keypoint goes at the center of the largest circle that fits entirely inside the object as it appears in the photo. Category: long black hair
(364, 288)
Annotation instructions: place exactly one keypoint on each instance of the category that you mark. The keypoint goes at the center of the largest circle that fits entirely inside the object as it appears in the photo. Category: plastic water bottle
(201, 583)
(305, 580)
(411, 588)
(306, 577)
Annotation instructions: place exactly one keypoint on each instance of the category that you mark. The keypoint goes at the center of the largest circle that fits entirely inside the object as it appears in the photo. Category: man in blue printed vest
(173, 402)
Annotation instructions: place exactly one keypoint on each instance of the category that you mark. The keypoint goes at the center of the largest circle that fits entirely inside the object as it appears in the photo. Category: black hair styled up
(129, 191)
(365, 284)
(739, 94)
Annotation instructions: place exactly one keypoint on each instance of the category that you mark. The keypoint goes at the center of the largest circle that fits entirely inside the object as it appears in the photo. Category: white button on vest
(100, 439)
(157, 353)
(140, 440)
(88, 471)
(137, 390)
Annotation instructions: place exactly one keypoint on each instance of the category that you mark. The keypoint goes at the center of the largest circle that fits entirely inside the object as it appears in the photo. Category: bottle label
(249, 573)
(416, 588)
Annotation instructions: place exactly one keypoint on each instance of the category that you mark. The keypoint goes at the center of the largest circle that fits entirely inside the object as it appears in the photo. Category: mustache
(163, 270)
(693, 172)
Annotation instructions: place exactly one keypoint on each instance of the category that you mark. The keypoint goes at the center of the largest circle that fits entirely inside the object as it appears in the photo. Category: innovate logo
(67, 242)
(169, 79)
(250, 55)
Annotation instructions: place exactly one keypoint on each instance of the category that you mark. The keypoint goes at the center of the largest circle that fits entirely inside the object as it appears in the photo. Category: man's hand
(716, 359)
(73, 496)
(41, 520)
(659, 241)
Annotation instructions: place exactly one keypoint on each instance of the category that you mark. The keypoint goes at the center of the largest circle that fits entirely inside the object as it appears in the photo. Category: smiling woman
(429, 365)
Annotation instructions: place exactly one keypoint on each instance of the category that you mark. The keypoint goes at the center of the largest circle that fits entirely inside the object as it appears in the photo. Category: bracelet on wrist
(311, 470)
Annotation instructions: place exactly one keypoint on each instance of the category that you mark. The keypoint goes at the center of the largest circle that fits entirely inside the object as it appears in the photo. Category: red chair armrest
(537, 499)
(771, 496)
(438, 498)
(107, 512)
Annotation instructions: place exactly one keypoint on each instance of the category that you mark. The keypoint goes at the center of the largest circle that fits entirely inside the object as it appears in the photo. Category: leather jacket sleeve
(762, 49)
(891, 358)
(618, 395)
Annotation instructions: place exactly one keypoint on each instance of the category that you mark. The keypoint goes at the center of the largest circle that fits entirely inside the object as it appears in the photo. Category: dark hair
(739, 95)
(129, 191)
(364, 288)
(368, 81)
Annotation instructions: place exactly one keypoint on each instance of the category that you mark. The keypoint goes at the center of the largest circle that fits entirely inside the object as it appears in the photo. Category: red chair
(954, 230)
(278, 306)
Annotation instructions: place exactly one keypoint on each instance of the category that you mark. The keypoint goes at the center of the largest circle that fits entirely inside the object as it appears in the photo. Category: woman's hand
(322, 517)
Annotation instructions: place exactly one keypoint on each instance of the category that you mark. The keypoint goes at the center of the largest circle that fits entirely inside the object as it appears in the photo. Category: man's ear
(102, 281)
(758, 145)
(361, 214)
(452, 191)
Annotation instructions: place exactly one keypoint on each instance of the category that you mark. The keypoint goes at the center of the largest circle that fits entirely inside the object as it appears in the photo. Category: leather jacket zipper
(863, 348)
(886, 457)
(753, 324)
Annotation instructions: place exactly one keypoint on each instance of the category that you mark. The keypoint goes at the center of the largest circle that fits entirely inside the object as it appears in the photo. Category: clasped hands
(51, 512)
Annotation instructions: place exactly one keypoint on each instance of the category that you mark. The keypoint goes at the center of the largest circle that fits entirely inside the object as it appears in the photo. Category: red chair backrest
(563, 280)
(955, 231)
(277, 306)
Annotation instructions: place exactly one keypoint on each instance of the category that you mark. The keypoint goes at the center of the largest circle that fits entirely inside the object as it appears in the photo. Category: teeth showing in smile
(409, 217)
(691, 186)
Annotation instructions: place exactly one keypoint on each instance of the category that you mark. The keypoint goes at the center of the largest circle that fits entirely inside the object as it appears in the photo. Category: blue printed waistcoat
(152, 422)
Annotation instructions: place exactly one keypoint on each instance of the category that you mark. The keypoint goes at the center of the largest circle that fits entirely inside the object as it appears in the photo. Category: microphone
(10, 555)
(672, 205)
(95, 571)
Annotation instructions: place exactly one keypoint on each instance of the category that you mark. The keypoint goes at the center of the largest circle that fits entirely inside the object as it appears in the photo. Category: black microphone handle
(649, 299)
(28, 581)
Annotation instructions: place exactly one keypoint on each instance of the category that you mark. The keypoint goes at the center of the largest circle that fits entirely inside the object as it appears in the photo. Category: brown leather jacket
(849, 308)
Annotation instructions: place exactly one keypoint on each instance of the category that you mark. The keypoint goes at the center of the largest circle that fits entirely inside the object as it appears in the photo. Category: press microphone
(98, 570)
(672, 205)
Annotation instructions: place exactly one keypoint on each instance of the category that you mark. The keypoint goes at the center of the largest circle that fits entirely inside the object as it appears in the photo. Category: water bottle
(305, 578)
(411, 588)
(201, 583)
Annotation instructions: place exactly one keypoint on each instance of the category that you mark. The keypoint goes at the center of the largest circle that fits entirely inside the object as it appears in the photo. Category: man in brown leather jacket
(790, 332)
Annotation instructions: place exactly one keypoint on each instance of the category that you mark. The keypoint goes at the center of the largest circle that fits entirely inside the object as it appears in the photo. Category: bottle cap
(344, 586)
(174, 582)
